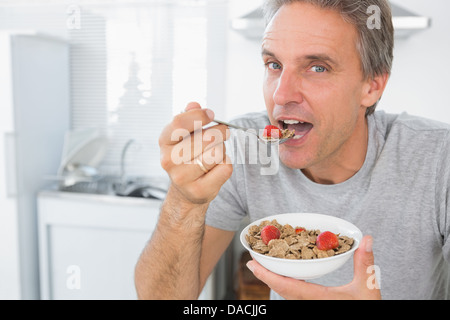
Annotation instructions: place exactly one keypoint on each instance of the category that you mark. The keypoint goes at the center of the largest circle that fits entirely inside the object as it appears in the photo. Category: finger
(184, 124)
(365, 271)
(363, 258)
(207, 186)
(213, 155)
(194, 146)
(190, 171)
(210, 183)
(198, 142)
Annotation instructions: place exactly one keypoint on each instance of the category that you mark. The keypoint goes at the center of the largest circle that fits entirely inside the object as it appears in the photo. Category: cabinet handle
(10, 165)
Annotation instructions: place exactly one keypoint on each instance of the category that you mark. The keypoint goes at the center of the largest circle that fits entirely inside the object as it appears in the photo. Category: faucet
(122, 160)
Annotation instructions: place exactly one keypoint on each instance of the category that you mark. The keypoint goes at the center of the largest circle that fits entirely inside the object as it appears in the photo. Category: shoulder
(386, 123)
(413, 142)
(409, 131)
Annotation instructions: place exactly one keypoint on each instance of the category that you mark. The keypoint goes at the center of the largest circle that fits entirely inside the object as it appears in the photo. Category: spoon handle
(230, 125)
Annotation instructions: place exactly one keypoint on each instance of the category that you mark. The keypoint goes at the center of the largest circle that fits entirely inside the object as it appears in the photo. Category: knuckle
(228, 168)
(166, 162)
(161, 141)
(178, 120)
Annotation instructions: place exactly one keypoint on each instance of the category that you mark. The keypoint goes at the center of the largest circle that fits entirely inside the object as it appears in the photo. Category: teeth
(291, 121)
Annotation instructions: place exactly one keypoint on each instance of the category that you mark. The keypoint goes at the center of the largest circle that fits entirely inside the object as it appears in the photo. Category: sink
(139, 190)
(95, 186)
(112, 185)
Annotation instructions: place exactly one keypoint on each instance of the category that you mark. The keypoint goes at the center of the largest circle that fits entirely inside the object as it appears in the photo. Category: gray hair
(375, 45)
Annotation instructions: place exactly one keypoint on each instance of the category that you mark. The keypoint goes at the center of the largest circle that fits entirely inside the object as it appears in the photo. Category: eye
(318, 69)
(274, 65)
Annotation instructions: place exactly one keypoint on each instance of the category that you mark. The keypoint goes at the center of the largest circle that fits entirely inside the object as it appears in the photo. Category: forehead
(302, 27)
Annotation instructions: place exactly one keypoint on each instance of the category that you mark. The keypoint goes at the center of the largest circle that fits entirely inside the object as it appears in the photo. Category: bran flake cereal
(293, 245)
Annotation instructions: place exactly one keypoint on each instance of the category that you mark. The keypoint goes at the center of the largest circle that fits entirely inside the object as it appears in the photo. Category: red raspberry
(268, 233)
(327, 240)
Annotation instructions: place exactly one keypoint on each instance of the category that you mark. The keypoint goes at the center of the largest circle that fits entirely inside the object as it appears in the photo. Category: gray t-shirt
(400, 196)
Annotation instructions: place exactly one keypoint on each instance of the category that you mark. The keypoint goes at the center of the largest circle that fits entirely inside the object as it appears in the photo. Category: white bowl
(311, 268)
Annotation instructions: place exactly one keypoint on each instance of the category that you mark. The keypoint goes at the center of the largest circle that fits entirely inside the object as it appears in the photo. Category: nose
(288, 89)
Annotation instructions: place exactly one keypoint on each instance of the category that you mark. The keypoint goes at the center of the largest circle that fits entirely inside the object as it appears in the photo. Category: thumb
(363, 262)
(195, 106)
(192, 106)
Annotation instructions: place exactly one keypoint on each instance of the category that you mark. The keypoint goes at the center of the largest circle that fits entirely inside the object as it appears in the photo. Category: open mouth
(301, 128)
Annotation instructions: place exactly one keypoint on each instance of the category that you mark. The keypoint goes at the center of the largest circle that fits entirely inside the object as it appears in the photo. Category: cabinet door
(88, 249)
(94, 263)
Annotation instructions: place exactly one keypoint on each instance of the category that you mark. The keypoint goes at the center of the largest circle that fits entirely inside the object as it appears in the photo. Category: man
(326, 69)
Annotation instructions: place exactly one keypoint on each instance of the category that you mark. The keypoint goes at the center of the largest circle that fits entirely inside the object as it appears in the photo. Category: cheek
(334, 105)
(268, 91)
(322, 93)
(266, 85)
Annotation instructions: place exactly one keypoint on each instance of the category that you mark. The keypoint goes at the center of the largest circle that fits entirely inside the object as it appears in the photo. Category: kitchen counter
(99, 198)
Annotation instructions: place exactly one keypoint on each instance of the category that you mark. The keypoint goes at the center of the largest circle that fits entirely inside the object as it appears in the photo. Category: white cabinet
(89, 244)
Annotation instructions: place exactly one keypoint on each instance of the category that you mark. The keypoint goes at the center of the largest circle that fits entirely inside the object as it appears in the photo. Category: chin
(293, 160)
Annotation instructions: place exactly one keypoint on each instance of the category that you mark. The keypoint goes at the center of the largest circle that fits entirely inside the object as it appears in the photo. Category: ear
(373, 90)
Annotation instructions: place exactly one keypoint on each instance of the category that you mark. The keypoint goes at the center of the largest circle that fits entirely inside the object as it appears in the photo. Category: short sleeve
(225, 211)
(443, 196)
(228, 208)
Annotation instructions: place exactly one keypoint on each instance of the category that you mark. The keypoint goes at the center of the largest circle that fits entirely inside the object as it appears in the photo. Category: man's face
(313, 75)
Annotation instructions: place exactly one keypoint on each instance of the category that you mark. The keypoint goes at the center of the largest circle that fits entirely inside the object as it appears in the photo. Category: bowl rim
(303, 261)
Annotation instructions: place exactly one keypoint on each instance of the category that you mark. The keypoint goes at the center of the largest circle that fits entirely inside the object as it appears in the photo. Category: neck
(345, 162)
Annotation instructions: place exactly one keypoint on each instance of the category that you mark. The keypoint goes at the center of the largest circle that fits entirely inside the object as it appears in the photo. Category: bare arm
(181, 255)
(174, 264)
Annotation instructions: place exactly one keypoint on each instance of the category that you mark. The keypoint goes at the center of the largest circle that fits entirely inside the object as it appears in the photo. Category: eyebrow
(310, 57)
(266, 52)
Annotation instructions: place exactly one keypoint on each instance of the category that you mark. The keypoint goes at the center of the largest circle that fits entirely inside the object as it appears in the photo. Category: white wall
(419, 82)
(244, 67)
